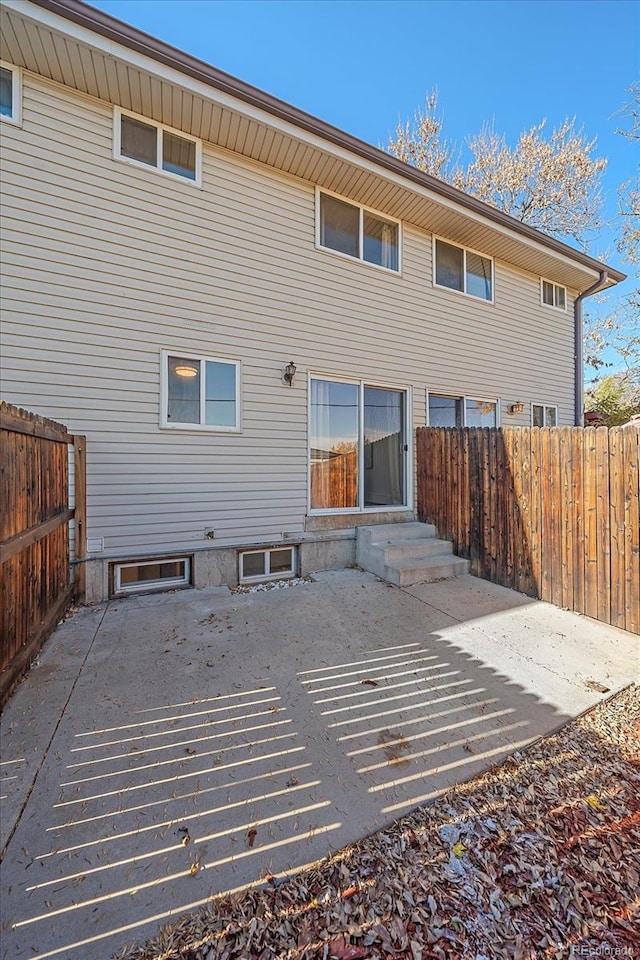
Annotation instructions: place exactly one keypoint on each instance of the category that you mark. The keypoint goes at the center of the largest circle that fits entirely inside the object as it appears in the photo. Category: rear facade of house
(176, 242)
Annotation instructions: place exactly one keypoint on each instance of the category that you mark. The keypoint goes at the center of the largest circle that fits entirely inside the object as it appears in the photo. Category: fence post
(80, 469)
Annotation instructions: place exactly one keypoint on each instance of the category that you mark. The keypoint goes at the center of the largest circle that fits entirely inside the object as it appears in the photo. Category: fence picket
(632, 529)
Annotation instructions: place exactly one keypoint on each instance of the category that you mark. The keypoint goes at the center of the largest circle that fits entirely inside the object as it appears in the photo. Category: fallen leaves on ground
(538, 859)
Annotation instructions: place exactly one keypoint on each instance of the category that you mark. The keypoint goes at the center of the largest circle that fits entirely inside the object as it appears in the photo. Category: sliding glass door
(358, 446)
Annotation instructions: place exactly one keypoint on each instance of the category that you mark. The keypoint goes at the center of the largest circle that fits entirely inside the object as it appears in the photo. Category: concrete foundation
(217, 565)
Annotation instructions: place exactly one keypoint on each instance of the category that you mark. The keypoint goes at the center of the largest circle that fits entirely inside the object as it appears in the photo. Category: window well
(268, 564)
(140, 576)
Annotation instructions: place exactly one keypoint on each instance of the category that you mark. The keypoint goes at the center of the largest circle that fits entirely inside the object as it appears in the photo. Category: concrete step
(386, 532)
(406, 553)
(413, 570)
(394, 550)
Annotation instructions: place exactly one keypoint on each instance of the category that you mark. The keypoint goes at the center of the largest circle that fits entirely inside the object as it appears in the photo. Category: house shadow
(214, 742)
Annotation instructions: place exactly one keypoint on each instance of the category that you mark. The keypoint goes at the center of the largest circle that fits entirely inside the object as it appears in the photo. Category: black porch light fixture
(289, 373)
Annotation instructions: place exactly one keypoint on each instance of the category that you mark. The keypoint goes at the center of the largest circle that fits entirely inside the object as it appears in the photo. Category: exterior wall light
(289, 373)
(516, 407)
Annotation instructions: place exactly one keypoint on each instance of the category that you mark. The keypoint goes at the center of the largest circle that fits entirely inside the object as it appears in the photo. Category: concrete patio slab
(171, 747)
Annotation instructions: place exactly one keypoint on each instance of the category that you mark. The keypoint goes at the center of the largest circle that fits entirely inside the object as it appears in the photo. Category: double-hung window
(353, 231)
(553, 295)
(445, 411)
(200, 393)
(544, 415)
(142, 141)
(10, 94)
(458, 268)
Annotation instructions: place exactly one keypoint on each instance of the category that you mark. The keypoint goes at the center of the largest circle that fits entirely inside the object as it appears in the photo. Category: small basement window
(271, 564)
(553, 295)
(140, 576)
(10, 94)
(147, 143)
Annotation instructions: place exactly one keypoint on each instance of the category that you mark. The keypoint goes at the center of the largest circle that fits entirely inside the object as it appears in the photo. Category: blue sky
(362, 65)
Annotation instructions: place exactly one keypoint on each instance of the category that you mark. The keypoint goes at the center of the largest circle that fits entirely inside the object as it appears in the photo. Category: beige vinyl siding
(106, 264)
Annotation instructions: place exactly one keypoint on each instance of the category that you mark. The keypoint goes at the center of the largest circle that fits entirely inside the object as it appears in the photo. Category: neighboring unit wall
(106, 264)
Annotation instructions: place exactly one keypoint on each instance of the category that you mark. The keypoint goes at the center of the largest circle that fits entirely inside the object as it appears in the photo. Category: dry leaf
(598, 687)
(349, 892)
(339, 949)
(369, 683)
(251, 836)
(185, 838)
(595, 803)
(195, 866)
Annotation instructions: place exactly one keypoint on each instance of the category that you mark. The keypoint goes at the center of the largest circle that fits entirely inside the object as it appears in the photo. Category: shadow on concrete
(210, 740)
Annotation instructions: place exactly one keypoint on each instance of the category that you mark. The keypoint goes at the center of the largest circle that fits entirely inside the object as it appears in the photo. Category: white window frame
(556, 287)
(408, 439)
(463, 398)
(16, 95)
(535, 403)
(465, 250)
(267, 575)
(363, 210)
(167, 424)
(118, 113)
(165, 583)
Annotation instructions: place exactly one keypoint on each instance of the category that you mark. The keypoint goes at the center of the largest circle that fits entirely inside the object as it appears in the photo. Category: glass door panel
(383, 448)
(335, 430)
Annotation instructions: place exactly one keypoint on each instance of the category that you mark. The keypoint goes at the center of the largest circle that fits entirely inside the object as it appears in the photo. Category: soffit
(227, 122)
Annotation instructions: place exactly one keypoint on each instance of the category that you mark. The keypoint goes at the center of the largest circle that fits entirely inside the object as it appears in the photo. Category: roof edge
(123, 33)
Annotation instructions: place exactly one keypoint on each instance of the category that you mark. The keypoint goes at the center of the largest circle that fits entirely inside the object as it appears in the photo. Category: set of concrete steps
(406, 553)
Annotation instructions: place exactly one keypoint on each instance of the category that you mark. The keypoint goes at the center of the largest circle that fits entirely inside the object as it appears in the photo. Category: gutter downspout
(578, 352)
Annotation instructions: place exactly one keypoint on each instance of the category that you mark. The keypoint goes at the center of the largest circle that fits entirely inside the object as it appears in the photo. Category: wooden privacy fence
(36, 588)
(551, 512)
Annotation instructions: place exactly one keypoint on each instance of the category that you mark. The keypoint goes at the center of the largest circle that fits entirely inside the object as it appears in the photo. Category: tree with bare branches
(551, 182)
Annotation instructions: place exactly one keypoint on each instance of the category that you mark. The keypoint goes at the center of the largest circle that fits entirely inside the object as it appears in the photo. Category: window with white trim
(10, 93)
(544, 415)
(200, 393)
(140, 576)
(464, 270)
(354, 231)
(270, 564)
(553, 295)
(146, 143)
(451, 411)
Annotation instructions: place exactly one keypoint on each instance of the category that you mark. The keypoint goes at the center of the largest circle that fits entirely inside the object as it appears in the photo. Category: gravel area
(539, 858)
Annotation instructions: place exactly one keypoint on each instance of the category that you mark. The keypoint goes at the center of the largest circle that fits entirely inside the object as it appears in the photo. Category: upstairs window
(200, 393)
(141, 141)
(354, 231)
(464, 270)
(10, 94)
(543, 415)
(553, 295)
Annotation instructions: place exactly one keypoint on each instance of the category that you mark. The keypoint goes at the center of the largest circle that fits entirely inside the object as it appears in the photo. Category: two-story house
(246, 310)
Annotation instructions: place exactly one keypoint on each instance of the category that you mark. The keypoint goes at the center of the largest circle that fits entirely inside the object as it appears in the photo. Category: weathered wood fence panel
(551, 512)
(35, 587)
